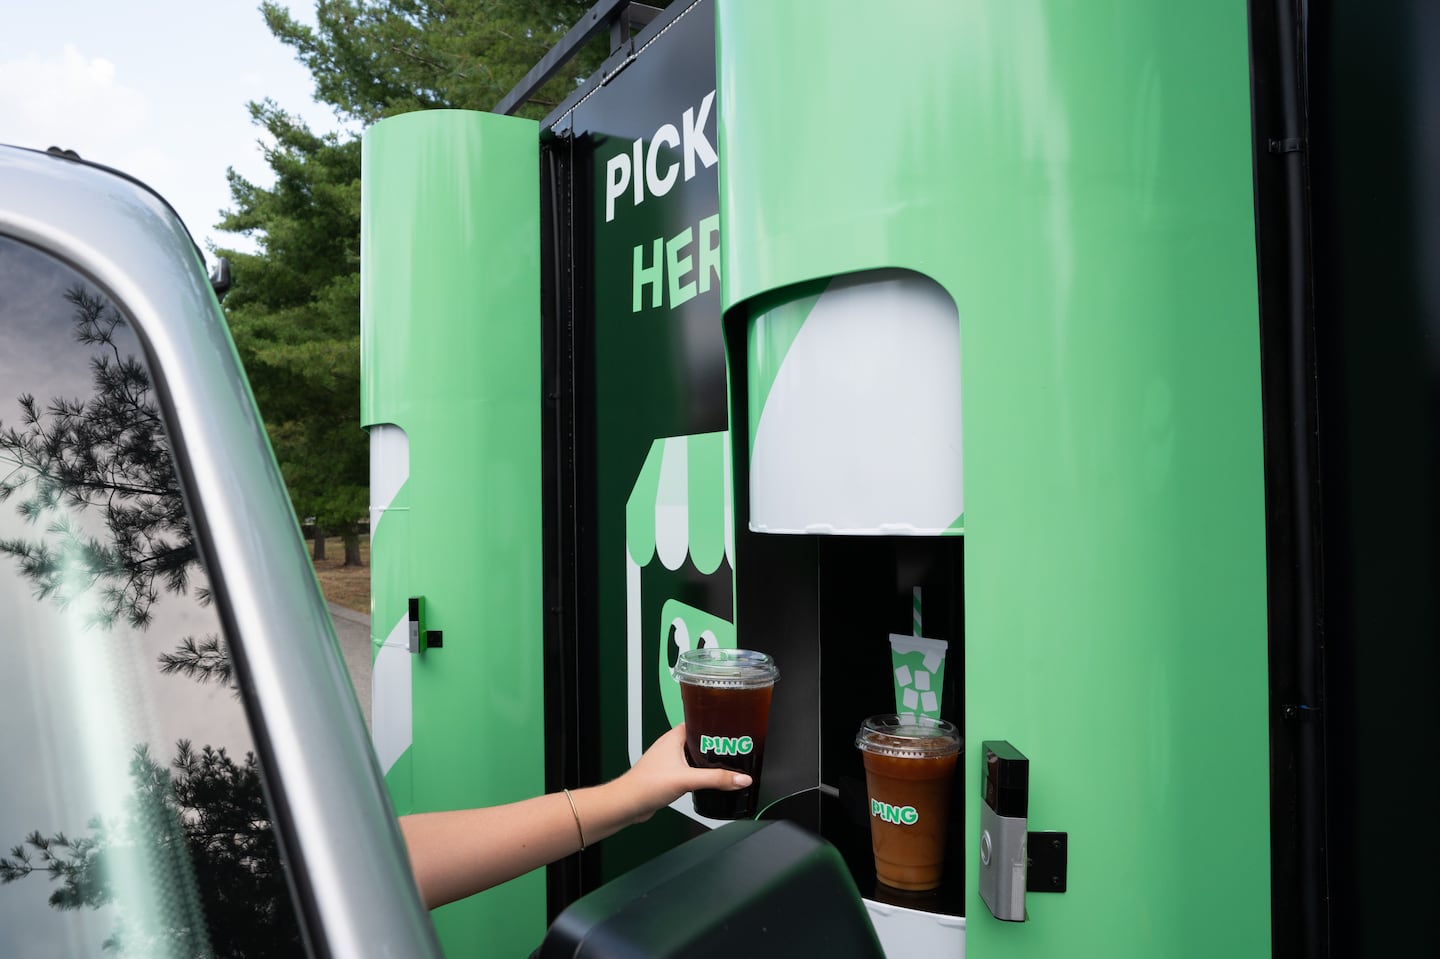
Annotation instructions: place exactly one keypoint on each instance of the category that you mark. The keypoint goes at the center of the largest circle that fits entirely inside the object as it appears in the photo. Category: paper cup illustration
(918, 667)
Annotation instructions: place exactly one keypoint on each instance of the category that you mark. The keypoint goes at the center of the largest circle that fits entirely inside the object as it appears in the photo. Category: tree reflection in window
(202, 818)
(108, 453)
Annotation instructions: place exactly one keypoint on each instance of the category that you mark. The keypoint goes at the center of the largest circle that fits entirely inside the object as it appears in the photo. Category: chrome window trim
(332, 813)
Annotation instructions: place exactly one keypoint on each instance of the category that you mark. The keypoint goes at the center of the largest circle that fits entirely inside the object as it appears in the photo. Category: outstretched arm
(456, 854)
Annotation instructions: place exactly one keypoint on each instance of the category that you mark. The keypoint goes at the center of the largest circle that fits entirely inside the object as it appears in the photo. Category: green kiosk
(825, 329)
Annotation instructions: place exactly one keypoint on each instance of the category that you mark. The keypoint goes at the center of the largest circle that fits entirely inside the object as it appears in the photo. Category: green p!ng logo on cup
(898, 815)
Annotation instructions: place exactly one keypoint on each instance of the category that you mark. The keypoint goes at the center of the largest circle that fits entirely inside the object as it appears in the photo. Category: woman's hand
(662, 775)
(456, 854)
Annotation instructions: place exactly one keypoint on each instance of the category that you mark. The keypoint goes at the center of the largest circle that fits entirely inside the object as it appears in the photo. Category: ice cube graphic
(930, 702)
(922, 680)
(902, 676)
(911, 698)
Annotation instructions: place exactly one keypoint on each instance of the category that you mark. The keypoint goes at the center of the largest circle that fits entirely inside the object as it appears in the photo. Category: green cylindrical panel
(1077, 176)
(450, 347)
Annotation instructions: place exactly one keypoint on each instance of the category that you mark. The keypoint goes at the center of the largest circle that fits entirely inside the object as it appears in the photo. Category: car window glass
(132, 818)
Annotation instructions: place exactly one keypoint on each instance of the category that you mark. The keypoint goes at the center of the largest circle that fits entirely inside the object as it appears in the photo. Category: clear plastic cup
(726, 697)
(909, 769)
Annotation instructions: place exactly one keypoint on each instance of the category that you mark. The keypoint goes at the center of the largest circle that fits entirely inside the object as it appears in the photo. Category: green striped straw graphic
(915, 610)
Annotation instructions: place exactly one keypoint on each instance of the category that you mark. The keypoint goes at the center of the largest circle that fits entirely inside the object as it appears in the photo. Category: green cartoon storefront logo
(682, 628)
(678, 508)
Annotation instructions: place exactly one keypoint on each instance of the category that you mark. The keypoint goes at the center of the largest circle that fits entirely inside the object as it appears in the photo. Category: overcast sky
(156, 88)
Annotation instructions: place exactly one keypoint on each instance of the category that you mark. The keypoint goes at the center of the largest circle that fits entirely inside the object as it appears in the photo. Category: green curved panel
(775, 321)
(450, 352)
(398, 780)
(1078, 177)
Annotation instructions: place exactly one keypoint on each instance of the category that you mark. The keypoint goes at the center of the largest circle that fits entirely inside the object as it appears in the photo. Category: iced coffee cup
(726, 697)
(909, 767)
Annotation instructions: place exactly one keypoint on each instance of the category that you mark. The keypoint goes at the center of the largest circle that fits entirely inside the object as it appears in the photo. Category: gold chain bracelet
(578, 828)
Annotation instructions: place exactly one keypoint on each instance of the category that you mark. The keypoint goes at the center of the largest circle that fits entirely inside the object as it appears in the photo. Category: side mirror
(220, 277)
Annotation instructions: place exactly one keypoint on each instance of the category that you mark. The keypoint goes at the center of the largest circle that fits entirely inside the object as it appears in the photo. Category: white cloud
(71, 100)
(160, 96)
(87, 104)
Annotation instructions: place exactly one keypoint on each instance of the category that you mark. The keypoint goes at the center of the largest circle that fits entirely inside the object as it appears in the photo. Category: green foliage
(295, 314)
(295, 307)
(372, 59)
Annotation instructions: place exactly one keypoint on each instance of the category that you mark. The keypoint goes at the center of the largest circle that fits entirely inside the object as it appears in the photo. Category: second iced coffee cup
(726, 696)
(909, 768)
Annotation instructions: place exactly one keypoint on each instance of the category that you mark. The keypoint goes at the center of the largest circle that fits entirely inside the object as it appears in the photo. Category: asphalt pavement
(353, 631)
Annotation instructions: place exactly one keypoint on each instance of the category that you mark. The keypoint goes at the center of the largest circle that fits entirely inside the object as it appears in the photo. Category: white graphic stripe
(672, 504)
(392, 722)
(390, 703)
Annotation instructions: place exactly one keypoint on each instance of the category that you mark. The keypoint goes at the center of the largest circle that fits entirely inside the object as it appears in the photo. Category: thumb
(725, 779)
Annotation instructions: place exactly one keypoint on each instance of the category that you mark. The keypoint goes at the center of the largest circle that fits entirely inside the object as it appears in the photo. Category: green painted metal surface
(774, 324)
(1078, 177)
(450, 345)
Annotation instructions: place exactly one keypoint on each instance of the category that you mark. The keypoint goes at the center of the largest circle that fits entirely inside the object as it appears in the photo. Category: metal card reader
(1003, 824)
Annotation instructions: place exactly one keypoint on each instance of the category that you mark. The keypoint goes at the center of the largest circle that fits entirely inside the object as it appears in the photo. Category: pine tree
(295, 307)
